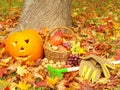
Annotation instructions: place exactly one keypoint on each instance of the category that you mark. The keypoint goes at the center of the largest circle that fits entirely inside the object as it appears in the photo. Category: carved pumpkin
(25, 44)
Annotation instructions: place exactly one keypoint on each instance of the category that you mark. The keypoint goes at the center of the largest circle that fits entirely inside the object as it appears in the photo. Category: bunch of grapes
(76, 49)
(73, 59)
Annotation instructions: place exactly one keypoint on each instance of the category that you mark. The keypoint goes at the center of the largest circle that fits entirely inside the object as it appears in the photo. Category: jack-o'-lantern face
(25, 44)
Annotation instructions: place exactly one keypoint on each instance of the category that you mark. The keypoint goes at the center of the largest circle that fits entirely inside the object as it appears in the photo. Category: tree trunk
(45, 14)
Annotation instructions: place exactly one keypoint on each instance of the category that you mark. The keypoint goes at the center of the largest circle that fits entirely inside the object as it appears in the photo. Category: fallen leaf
(13, 67)
(82, 51)
(40, 84)
(7, 88)
(2, 71)
(51, 81)
(3, 84)
(61, 85)
(28, 77)
(23, 86)
(6, 60)
(13, 86)
(2, 50)
(21, 70)
(117, 54)
(102, 80)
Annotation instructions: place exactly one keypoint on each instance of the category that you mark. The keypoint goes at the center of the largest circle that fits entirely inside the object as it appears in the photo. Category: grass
(9, 8)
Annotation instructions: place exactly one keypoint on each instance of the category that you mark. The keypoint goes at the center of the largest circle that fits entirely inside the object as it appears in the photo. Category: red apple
(56, 40)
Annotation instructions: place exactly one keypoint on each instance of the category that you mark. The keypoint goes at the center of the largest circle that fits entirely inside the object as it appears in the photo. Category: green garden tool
(59, 72)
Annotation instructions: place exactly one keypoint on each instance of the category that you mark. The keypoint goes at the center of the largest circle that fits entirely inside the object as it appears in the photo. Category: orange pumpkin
(25, 44)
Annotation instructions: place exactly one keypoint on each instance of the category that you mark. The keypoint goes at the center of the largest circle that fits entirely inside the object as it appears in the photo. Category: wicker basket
(54, 55)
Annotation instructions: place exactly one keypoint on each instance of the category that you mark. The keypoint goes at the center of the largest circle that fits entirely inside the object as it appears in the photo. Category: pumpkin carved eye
(14, 43)
(27, 41)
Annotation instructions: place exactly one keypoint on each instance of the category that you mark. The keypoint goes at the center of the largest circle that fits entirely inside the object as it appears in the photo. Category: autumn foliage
(96, 24)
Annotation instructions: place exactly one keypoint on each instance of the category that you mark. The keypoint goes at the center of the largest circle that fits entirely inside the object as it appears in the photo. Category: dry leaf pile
(97, 34)
(21, 77)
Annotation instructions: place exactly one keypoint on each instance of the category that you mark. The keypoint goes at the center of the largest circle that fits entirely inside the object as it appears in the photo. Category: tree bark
(45, 14)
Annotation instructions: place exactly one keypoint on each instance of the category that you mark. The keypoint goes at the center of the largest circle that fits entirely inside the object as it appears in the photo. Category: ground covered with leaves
(97, 25)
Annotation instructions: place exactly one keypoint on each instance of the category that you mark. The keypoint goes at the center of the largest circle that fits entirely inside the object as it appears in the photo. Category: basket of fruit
(58, 43)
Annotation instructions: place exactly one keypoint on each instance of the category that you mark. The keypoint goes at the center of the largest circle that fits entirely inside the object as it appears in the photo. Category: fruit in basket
(25, 44)
(67, 45)
(58, 33)
(61, 48)
(56, 40)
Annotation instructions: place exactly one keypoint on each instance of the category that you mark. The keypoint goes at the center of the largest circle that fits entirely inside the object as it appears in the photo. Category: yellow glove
(103, 63)
(89, 70)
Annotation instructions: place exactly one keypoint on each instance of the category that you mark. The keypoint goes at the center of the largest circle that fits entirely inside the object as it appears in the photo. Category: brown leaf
(61, 85)
(71, 76)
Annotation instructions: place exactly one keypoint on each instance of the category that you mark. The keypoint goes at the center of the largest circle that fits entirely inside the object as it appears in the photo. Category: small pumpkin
(25, 44)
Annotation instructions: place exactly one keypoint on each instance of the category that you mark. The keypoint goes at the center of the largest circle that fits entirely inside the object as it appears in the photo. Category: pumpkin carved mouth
(26, 57)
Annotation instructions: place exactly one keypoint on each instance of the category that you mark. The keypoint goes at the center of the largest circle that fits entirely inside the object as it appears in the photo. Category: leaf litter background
(97, 24)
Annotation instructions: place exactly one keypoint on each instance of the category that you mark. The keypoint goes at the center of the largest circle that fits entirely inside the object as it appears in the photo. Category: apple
(56, 40)
(62, 48)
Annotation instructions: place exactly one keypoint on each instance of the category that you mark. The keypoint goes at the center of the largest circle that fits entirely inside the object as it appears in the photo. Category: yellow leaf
(6, 60)
(117, 33)
(12, 86)
(3, 84)
(23, 86)
(81, 51)
(2, 51)
(51, 81)
(116, 25)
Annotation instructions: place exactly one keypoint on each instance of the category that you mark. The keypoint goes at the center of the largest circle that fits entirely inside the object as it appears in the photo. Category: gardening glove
(103, 63)
(89, 70)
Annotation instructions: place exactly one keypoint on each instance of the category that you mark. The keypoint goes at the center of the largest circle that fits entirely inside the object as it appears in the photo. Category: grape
(70, 55)
(77, 56)
(76, 49)
(67, 45)
(73, 59)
